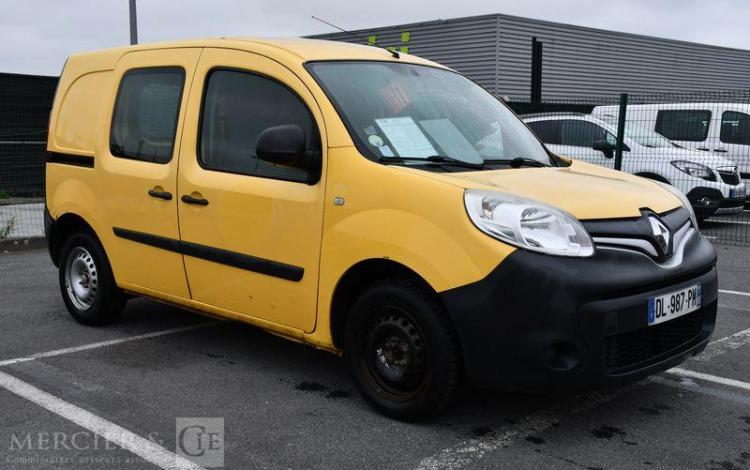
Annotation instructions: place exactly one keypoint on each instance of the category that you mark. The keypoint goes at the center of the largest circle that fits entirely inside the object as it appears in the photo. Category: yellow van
(369, 203)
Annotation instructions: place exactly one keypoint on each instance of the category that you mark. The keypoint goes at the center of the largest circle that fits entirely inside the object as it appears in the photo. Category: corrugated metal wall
(465, 44)
(589, 62)
(495, 50)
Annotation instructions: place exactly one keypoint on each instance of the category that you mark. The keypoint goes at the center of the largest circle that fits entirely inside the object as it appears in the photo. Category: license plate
(739, 192)
(675, 304)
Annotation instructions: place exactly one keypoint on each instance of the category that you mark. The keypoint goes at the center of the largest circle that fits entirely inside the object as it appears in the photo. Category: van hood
(586, 191)
(695, 156)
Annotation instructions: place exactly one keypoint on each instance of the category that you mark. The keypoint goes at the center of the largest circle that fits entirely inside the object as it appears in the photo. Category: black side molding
(216, 255)
(70, 159)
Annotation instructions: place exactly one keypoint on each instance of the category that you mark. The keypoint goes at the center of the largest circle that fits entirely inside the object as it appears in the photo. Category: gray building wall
(578, 62)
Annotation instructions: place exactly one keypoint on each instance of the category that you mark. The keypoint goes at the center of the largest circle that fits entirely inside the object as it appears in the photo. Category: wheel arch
(357, 278)
(62, 228)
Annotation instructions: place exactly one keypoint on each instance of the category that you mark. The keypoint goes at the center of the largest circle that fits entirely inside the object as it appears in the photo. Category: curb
(22, 244)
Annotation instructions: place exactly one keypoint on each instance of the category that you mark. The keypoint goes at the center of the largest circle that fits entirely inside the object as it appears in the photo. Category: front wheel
(401, 350)
(86, 282)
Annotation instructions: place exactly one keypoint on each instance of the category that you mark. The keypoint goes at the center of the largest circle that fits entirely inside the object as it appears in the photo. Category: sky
(37, 35)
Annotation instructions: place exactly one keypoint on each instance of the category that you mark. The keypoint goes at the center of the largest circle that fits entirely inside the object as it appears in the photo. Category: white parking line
(735, 292)
(103, 344)
(467, 451)
(470, 450)
(129, 441)
(710, 378)
(726, 344)
(686, 383)
(741, 309)
(733, 222)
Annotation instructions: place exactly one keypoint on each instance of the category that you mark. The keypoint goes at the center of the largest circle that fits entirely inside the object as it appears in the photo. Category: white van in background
(711, 182)
(718, 128)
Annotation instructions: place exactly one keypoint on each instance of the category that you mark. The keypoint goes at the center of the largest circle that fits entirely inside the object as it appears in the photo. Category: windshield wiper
(438, 160)
(517, 162)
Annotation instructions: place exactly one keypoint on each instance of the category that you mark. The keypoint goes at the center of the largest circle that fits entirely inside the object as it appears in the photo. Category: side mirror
(283, 145)
(604, 147)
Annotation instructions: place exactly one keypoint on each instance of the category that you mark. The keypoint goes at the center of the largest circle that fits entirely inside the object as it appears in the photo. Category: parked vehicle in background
(710, 182)
(716, 128)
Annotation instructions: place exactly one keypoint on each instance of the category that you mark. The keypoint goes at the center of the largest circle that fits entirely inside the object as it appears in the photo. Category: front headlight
(685, 201)
(527, 224)
(695, 169)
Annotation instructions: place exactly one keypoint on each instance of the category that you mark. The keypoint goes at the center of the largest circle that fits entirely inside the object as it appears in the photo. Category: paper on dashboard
(406, 138)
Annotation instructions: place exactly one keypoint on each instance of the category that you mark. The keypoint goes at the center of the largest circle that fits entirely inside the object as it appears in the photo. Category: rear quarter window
(735, 128)
(146, 111)
(684, 124)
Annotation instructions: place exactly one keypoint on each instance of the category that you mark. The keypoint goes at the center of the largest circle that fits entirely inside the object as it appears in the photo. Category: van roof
(686, 105)
(552, 114)
(297, 50)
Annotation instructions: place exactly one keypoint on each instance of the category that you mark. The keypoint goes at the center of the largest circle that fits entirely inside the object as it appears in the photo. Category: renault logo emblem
(661, 234)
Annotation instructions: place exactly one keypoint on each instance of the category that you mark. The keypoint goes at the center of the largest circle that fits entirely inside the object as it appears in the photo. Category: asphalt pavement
(284, 405)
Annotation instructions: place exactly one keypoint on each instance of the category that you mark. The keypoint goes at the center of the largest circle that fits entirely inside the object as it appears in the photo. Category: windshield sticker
(406, 137)
(386, 151)
(375, 140)
(451, 140)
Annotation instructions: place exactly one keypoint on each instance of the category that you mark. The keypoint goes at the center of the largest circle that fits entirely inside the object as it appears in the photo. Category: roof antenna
(394, 53)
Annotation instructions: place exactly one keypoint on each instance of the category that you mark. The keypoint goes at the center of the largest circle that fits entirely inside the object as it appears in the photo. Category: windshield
(407, 111)
(647, 137)
(644, 136)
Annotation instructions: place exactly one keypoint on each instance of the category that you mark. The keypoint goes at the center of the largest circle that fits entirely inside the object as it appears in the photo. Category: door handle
(166, 195)
(703, 149)
(721, 150)
(198, 201)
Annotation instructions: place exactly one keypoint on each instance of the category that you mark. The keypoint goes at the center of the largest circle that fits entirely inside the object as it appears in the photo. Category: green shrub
(7, 228)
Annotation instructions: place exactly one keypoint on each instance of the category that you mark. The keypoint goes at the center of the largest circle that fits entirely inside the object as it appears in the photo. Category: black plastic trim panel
(216, 255)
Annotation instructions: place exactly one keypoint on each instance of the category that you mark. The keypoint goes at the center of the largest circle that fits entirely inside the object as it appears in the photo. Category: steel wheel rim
(81, 278)
(395, 355)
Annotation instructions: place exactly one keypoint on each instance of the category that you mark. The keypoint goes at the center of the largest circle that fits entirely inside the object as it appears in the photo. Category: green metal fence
(25, 102)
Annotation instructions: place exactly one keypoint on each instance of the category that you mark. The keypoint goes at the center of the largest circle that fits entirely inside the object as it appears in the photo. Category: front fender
(407, 217)
(443, 259)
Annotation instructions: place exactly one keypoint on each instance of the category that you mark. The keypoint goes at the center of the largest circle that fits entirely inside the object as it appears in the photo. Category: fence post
(536, 72)
(621, 130)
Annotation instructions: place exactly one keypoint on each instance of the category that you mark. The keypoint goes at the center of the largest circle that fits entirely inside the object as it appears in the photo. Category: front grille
(637, 233)
(729, 175)
(628, 350)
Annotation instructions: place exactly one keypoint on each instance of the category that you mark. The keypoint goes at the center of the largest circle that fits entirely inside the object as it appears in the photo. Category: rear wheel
(86, 282)
(401, 350)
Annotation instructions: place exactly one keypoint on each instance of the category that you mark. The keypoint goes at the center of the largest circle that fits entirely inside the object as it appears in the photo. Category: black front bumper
(540, 322)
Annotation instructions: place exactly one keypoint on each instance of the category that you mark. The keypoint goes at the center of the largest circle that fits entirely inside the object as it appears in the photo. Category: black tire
(402, 351)
(86, 282)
